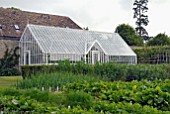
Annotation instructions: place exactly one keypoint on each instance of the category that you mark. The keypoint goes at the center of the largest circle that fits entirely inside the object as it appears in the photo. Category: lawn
(8, 81)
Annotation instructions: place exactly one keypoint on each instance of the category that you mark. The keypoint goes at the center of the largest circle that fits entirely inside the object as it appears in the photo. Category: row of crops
(86, 94)
(113, 71)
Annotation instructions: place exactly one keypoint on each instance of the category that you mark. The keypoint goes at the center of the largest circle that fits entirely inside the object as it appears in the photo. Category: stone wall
(11, 44)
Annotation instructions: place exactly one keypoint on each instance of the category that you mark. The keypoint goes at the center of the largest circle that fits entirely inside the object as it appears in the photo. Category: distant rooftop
(13, 22)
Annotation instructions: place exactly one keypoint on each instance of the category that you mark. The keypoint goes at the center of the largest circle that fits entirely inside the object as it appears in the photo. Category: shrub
(153, 54)
(79, 98)
(9, 62)
(10, 92)
(42, 96)
(113, 71)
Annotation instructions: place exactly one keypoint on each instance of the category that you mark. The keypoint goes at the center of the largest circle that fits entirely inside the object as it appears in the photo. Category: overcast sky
(99, 15)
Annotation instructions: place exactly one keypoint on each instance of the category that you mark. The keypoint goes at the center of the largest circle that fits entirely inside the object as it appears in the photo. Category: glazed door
(95, 57)
(27, 57)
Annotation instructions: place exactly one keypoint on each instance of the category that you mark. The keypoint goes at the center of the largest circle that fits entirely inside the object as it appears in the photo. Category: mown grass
(9, 81)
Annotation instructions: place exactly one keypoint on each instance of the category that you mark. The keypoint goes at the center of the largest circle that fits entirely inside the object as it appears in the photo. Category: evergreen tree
(140, 8)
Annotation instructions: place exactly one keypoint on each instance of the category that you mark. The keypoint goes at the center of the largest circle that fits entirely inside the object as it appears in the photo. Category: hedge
(113, 71)
(153, 54)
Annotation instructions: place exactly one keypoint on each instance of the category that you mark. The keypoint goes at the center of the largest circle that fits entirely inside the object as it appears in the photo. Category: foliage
(144, 97)
(9, 62)
(153, 55)
(140, 8)
(13, 8)
(79, 98)
(40, 96)
(55, 80)
(31, 70)
(145, 93)
(159, 40)
(63, 66)
(125, 108)
(106, 71)
(127, 32)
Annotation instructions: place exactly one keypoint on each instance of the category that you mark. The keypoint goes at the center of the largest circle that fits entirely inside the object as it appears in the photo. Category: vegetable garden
(98, 89)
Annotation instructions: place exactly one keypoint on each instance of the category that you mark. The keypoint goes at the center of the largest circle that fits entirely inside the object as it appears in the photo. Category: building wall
(11, 44)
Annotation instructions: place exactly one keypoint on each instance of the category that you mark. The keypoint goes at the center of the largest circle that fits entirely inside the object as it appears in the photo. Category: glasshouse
(44, 45)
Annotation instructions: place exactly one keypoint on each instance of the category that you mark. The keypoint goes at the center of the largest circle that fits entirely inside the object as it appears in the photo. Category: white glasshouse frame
(38, 53)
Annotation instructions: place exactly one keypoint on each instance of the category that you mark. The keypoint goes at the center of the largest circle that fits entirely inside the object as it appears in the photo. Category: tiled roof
(13, 22)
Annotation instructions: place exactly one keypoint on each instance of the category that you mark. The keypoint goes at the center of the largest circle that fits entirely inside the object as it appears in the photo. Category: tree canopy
(159, 40)
(140, 9)
(13, 8)
(127, 32)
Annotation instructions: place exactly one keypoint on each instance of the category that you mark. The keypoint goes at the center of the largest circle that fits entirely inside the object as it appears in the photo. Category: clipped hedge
(113, 71)
(153, 54)
(9, 72)
(31, 70)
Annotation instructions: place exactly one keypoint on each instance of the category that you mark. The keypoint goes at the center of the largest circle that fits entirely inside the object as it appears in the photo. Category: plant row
(56, 81)
(77, 102)
(113, 71)
(146, 93)
(155, 94)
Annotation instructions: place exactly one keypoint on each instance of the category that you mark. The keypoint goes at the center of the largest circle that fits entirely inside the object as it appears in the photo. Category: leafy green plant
(10, 92)
(150, 93)
(125, 108)
(91, 97)
(9, 62)
(79, 98)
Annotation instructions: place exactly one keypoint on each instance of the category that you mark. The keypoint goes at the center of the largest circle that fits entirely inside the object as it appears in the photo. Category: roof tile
(9, 18)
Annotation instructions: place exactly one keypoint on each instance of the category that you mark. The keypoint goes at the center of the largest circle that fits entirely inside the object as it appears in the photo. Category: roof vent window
(17, 28)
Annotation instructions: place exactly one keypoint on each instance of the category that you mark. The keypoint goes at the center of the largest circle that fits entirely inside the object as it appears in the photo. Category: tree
(127, 32)
(159, 40)
(85, 28)
(9, 62)
(140, 8)
(13, 8)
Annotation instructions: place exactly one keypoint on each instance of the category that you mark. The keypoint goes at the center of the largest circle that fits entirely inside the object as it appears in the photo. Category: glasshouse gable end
(43, 45)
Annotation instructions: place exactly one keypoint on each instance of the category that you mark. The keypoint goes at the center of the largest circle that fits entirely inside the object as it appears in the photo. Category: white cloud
(126, 4)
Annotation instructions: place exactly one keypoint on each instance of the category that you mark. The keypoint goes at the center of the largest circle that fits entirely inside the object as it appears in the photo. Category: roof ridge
(71, 29)
(19, 10)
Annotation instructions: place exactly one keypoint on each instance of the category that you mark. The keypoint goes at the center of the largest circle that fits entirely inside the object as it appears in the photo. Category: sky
(99, 15)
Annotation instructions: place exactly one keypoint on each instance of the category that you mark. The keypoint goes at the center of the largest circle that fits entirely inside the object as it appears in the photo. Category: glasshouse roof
(72, 41)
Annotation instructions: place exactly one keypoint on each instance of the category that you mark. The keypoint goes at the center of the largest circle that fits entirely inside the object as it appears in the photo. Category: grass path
(8, 81)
